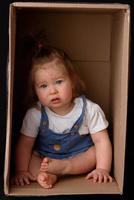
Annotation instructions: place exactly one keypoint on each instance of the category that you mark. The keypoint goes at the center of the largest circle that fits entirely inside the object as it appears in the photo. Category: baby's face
(54, 87)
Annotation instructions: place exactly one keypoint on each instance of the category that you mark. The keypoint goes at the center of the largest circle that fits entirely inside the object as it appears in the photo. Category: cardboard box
(96, 36)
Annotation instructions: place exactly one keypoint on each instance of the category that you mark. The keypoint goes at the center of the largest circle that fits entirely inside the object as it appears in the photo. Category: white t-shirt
(94, 119)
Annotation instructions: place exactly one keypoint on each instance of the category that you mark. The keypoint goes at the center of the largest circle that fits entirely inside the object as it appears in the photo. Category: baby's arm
(103, 157)
(23, 154)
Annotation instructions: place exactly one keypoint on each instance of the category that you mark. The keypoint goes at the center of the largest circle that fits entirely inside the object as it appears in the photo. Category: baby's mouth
(55, 100)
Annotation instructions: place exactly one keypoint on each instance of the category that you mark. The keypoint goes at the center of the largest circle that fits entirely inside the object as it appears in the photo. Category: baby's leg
(82, 163)
(34, 165)
(46, 180)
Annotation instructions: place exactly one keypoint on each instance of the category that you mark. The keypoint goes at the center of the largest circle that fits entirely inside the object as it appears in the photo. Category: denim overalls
(64, 145)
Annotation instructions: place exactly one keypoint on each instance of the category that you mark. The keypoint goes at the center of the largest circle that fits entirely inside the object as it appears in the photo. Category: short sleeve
(31, 122)
(97, 119)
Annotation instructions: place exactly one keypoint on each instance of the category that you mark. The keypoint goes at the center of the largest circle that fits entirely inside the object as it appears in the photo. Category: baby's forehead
(55, 66)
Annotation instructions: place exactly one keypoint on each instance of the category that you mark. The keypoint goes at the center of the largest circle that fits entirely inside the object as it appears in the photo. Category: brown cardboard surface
(10, 74)
(96, 36)
(101, 7)
(120, 55)
(67, 185)
(88, 71)
(72, 29)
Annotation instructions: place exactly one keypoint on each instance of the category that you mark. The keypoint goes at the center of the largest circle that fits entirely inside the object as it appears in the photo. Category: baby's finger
(26, 180)
(89, 176)
(21, 182)
(16, 182)
(110, 179)
(95, 178)
(100, 178)
(105, 179)
(31, 177)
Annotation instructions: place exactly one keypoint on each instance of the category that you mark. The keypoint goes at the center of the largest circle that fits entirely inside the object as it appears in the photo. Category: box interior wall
(97, 42)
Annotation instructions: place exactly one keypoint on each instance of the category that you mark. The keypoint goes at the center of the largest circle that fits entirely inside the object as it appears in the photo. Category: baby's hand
(22, 177)
(100, 176)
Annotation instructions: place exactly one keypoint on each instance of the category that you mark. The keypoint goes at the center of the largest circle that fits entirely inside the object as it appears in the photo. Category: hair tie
(40, 45)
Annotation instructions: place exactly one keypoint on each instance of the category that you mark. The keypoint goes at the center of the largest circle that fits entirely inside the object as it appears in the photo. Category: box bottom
(70, 185)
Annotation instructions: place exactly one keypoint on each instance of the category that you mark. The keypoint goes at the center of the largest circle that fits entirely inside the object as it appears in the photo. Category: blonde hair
(49, 54)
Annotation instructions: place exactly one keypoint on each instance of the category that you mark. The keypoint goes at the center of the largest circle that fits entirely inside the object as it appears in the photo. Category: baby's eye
(43, 86)
(59, 81)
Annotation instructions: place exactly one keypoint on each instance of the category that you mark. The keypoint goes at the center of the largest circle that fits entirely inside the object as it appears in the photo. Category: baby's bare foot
(46, 180)
(45, 164)
(55, 166)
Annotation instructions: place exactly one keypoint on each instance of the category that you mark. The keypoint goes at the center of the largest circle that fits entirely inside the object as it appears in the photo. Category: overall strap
(79, 121)
(44, 117)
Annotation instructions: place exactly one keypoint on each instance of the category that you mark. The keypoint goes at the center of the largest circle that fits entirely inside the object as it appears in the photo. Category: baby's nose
(53, 90)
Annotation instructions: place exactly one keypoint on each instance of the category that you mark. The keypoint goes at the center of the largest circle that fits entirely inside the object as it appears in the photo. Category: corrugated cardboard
(96, 36)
